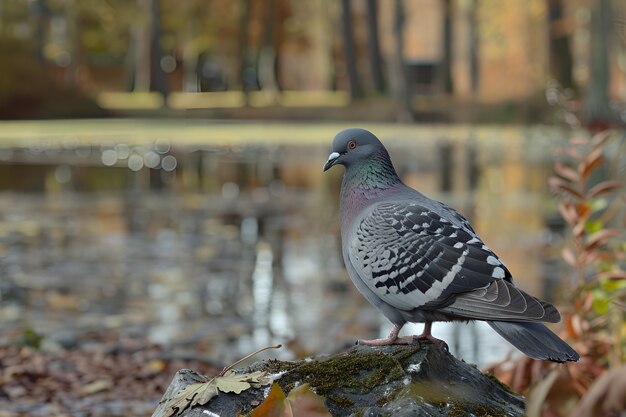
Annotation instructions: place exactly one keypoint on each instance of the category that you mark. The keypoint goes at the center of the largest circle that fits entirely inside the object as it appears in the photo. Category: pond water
(227, 233)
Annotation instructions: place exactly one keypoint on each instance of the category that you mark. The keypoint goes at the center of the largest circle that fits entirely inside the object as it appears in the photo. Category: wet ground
(231, 242)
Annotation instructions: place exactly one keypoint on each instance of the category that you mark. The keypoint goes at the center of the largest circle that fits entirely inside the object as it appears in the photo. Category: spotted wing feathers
(412, 257)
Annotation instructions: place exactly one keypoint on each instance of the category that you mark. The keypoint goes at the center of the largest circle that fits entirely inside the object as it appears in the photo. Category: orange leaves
(587, 156)
(301, 402)
(600, 238)
(568, 212)
(590, 162)
(562, 185)
(584, 206)
(566, 172)
(604, 187)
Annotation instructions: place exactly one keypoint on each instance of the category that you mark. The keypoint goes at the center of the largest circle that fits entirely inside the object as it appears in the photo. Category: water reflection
(238, 245)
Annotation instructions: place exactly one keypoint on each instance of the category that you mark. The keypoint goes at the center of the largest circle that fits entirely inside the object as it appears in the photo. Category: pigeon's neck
(364, 181)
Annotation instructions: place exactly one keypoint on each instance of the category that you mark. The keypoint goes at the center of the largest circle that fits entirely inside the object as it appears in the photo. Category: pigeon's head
(353, 145)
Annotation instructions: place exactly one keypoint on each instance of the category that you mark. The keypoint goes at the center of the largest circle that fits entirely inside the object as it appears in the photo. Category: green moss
(346, 379)
(500, 383)
(341, 401)
(361, 371)
(461, 409)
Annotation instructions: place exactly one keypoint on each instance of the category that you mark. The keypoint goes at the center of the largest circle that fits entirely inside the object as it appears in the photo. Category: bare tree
(158, 79)
(403, 85)
(474, 45)
(41, 15)
(596, 106)
(446, 64)
(242, 41)
(349, 52)
(267, 54)
(374, 45)
(561, 60)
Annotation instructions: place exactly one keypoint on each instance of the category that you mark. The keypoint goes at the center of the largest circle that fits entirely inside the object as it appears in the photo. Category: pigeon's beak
(332, 159)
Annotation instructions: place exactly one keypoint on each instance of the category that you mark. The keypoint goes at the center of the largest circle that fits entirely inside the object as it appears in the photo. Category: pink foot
(426, 335)
(433, 340)
(406, 340)
(392, 339)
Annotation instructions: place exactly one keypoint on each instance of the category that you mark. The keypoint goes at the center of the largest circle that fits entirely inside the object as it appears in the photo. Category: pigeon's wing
(412, 258)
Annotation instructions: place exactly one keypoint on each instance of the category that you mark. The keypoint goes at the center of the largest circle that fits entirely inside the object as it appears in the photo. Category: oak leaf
(201, 393)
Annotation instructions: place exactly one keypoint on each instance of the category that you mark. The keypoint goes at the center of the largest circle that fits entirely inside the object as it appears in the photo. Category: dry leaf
(304, 402)
(599, 139)
(560, 184)
(566, 172)
(590, 162)
(273, 405)
(569, 256)
(568, 211)
(301, 401)
(600, 238)
(603, 188)
(96, 386)
(200, 393)
(232, 382)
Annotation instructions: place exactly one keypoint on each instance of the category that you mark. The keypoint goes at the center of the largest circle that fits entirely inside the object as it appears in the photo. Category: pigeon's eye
(352, 144)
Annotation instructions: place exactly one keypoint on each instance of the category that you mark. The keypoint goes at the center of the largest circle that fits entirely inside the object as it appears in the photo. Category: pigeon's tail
(535, 340)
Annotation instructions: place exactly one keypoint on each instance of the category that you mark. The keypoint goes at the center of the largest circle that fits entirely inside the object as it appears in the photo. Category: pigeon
(418, 260)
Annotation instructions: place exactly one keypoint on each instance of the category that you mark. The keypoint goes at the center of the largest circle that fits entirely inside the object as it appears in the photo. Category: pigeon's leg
(392, 339)
(426, 335)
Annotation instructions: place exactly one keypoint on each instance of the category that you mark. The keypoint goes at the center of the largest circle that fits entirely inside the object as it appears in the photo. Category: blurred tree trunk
(41, 15)
(191, 82)
(404, 91)
(474, 47)
(596, 107)
(242, 41)
(158, 78)
(350, 55)
(561, 61)
(72, 20)
(374, 45)
(446, 64)
(140, 47)
(267, 55)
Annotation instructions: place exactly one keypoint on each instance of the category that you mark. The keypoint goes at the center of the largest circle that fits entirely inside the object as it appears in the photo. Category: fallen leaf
(273, 405)
(96, 386)
(305, 402)
(232, 382)
(200, 393)
(300, 402)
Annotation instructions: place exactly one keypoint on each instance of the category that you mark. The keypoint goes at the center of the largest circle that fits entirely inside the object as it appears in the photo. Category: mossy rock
(408, 380)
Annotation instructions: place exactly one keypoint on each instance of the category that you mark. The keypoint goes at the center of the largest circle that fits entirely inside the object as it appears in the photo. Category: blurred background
(161, 196)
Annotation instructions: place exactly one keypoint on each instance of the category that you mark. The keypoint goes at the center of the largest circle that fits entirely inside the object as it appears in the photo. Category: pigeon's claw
(432, 340)
(392, 339)
(406, 340)
(426, 335)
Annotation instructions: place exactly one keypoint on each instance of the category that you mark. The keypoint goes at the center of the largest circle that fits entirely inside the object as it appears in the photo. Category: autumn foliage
(594, 322)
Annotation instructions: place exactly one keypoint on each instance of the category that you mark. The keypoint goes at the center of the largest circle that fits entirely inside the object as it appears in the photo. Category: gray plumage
(418, 260)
